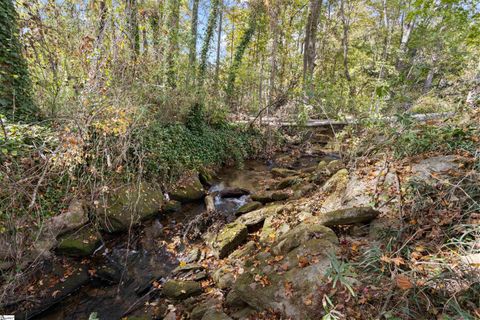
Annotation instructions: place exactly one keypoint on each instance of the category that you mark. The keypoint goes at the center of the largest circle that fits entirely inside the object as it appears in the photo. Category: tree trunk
(15, 86)
(173, 23)
(192, 55)
(133, 30)
(345, 24)
(309, 53)
(274, 13)
(219, 40)
(212, 21)
(240, 50)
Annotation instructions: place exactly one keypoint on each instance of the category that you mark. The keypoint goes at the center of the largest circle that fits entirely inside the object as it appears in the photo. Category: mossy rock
(287, 182)
(229, 238)
(258, 216)
(172, 206)
(266, 197)
(189, 191)
(128, 206)
(206, 177)
(79, 244)
(247, 207)
(334, 166)
(179, 290)
(283, 172)
(215, 315)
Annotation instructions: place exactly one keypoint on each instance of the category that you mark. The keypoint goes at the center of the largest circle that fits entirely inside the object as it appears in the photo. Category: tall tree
(15, 86)
(133, 29)
(173, 24)
(192, 55)
(219, 40)
(309, 52)
(255, 10)
(212, 21)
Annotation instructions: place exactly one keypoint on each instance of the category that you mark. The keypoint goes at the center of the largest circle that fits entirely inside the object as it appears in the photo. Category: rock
(229, 238)
(436, 166)
(322, 166)
(82, 243)
(471, 259)
(266, 197)
(245, 251)
(199, 311)
(234, 300)
(247, 207)
(75, 217)
(209, 203)
(233, 192)
(283, 172)
(245, 313)
(172, 206)
(304, 262)
(109, 272)
(223, 277)
(206, 177)
(189, 191)
(179, 290)
(258, 216)
(302, 233)
(334, 166)
(54, 291)
(193, 255)
(215, 315)
(187, 268)
(128, 206)
(348, 216)
(287, 182)
(304, 215)
(337, 182)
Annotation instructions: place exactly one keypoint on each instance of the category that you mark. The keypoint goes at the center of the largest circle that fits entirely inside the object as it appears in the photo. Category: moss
(79, 244)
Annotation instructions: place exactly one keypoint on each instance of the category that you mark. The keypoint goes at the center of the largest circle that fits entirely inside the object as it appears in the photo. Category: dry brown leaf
(403, 282)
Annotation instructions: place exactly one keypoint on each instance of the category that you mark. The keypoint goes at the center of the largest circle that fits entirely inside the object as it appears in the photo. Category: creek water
(131, 263)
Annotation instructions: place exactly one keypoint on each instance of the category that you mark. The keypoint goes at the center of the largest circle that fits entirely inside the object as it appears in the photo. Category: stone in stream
(334, 166)
(172, 206)
(233, 192)
(247, 207)
(283, 172)
(229, 238)
(179, 290)
(128, 206)
(81, 243)
(75, 217)
(189, 190)
(347, 216)
(206, 177)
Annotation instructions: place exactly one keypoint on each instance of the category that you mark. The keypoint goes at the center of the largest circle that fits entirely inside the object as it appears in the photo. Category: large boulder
(229, 238)
(348, 216)
(179, 290)
(188, 191)
(430, 169)
(215, 315)
(233, 192)
(287, 182)
(81, 243)
(289, 281)
(129, 205)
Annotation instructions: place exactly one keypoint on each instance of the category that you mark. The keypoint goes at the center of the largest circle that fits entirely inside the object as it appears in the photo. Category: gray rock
(348, 216)
(255, 217)
(223, 277)
(439, 166)
(266, 197)
(233, 192)
(287, 182)
(172, 206)
(246, 250)
(179, 290)
(75, 217)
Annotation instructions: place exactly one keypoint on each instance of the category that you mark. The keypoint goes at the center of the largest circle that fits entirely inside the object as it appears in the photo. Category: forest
(240, 159)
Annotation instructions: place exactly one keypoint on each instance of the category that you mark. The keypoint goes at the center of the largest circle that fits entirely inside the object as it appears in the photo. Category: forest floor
(374, 223)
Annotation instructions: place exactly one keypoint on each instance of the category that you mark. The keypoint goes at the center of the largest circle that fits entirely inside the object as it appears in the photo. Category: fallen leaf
(403, 282)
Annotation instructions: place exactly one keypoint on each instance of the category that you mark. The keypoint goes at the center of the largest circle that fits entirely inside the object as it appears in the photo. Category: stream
(118, 278)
